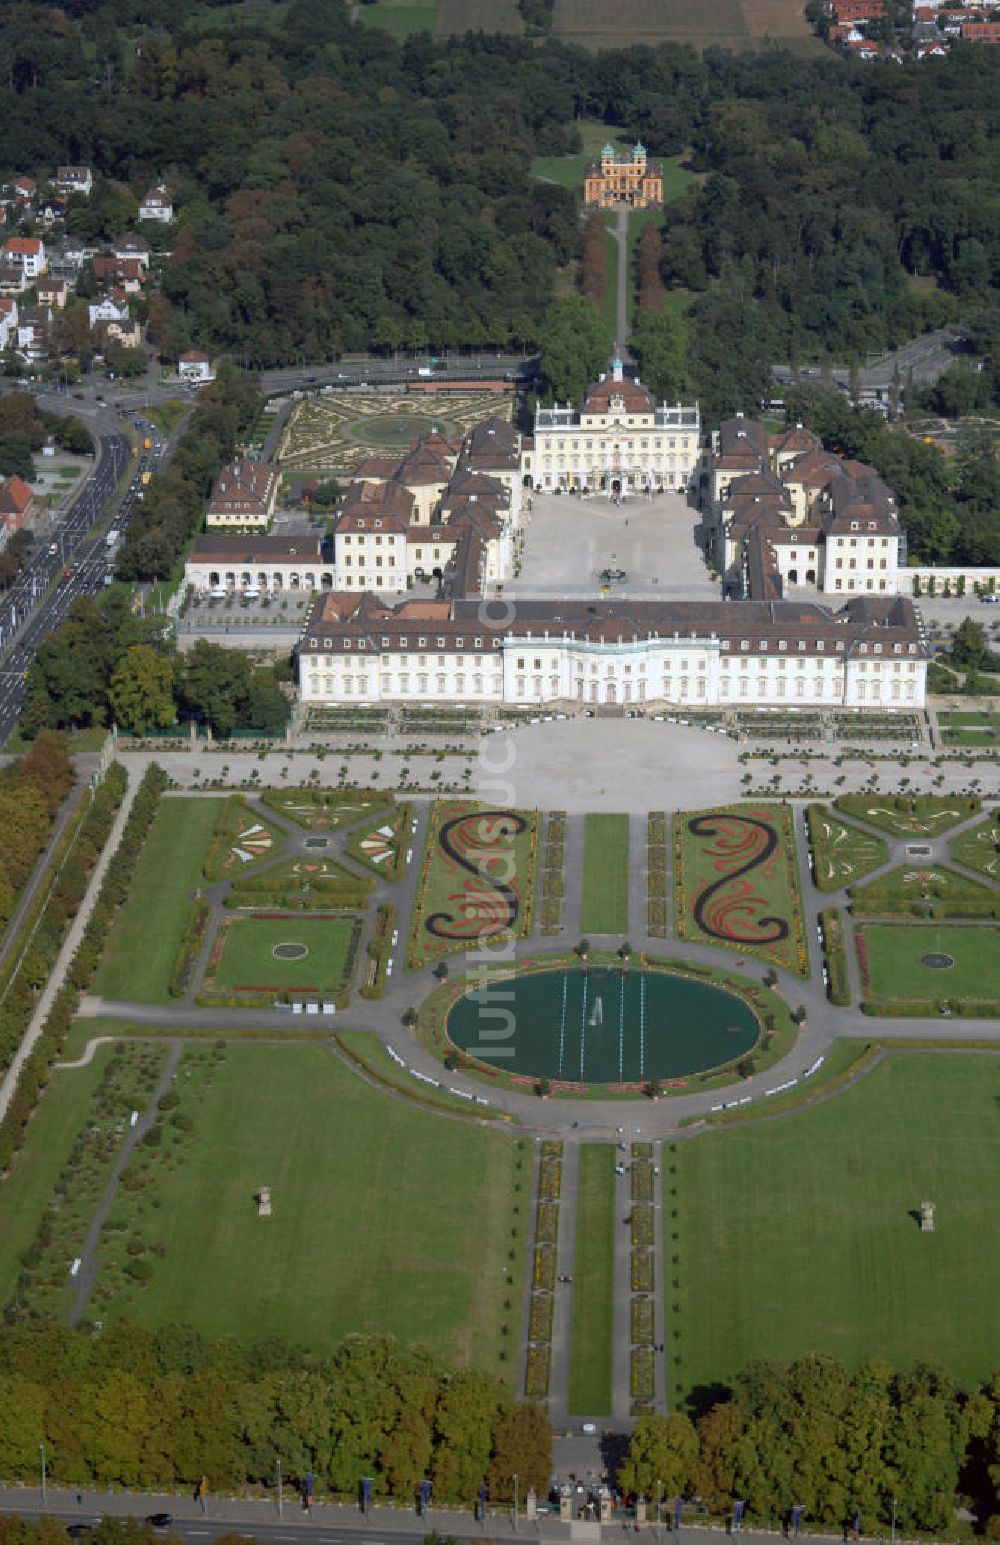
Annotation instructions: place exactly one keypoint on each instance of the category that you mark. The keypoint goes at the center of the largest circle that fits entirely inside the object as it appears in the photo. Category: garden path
(565, 1267)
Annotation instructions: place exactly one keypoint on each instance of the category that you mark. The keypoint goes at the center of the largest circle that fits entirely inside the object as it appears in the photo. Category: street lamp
(515, 1504)
(893, 1521)
(41, 1453)
(659, 1501)
(280, 1497)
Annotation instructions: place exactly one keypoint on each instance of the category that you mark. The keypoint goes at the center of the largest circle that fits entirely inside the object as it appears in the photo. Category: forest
(337, 189)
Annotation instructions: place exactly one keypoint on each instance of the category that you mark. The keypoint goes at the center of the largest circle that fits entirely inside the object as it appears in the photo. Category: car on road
(75, 1531)
(160, 1520)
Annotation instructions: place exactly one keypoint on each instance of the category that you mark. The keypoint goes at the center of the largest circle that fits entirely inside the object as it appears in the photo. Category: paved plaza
(570, 539)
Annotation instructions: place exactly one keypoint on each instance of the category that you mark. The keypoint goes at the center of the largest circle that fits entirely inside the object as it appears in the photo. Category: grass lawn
(401, 17)
(890, 957)
(898, 890)
(979, 847)
(242, 842)
(386, 1218)
(736, 882)
(841, 853)
(476, 879)
(325, 809)
(593, 1283)
(799, 1235)
(27, 1190)
(969, 729)
(146, 936)
(568, 171)
(605, 874)
(167, 415)
(919, 815)
(247, 961)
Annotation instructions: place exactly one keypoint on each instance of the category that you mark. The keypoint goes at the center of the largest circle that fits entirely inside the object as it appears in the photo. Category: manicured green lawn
(922, 815)
(147, 932)
(476, 878)
(894, 952)
(841, 853)
(605, 874)
(799, 1235)
(736, 882)
(969, 729)
(568, 171)
(979, 847)
(593, 1283)
(385, 1218)
(248, 961)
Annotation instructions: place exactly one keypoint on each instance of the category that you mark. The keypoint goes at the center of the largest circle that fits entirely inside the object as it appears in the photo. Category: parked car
(160, 1520)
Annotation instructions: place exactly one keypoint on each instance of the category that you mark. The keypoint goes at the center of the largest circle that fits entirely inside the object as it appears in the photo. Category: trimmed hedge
(838, 988)
(190, 945)
(379, 950)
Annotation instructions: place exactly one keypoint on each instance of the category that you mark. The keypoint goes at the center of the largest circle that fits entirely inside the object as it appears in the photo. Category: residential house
(29, 253)
(108, 308)
(132, 248)
(52, 292)
(8, 323)
(12, 280)
(20, 189)
(981, 32)
(34, 329)
(157, 205)
(67, 257)
(74, 179)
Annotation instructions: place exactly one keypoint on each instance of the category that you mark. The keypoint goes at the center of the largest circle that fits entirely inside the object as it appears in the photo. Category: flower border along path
(736, 882)
(476, 879)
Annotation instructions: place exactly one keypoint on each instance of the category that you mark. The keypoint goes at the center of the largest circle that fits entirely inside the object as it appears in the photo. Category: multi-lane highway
(70, 563)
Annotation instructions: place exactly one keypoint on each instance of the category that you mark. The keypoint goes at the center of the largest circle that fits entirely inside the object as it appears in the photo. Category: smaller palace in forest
(630, 182)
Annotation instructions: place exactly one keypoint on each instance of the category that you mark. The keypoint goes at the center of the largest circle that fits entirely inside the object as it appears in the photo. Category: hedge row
(838, 988)
(190, 945)
(379, 950)
(293, 901)
(118, 875)
(60, 909)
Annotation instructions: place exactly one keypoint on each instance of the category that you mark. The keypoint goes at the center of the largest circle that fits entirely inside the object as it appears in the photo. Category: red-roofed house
(28, 252)
(157, 205)
(195, 366)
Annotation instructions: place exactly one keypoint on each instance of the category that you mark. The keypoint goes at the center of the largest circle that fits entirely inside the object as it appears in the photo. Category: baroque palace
(630, 182)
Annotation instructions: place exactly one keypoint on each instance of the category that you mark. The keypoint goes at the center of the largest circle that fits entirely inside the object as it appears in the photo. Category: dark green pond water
(602, 1027)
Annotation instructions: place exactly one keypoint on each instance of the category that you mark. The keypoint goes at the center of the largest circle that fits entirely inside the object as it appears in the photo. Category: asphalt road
(52, 581)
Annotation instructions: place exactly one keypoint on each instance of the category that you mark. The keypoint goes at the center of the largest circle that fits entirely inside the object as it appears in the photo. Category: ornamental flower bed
(547, 1223)
(540, 1326)
(642, 1322)
(643, 1276)
(642, 1181)
(476, 879)
(550, 1180)
(536, 1379)
(736, 882)
(863, 966)
(543, 1275)
(643, 1379)
(642, 1225)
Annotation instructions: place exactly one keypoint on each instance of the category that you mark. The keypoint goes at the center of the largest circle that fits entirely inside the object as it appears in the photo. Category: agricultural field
(401, 17)
(605, 874)
(593, 1283)
(477, 879)
(736, 883)
(912, 968)
(803, 1234)
(301, 953)
(979, 847)
(918, 815)
(457, 16)
(146, 936)
(358, 1241)
(841, 853)
(738, 24)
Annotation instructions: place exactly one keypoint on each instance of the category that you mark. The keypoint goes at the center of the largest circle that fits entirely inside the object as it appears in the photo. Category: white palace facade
(360, 649)
(618, 441)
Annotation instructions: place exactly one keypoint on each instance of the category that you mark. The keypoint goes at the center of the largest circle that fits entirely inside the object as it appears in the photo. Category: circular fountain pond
(603, 1026)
